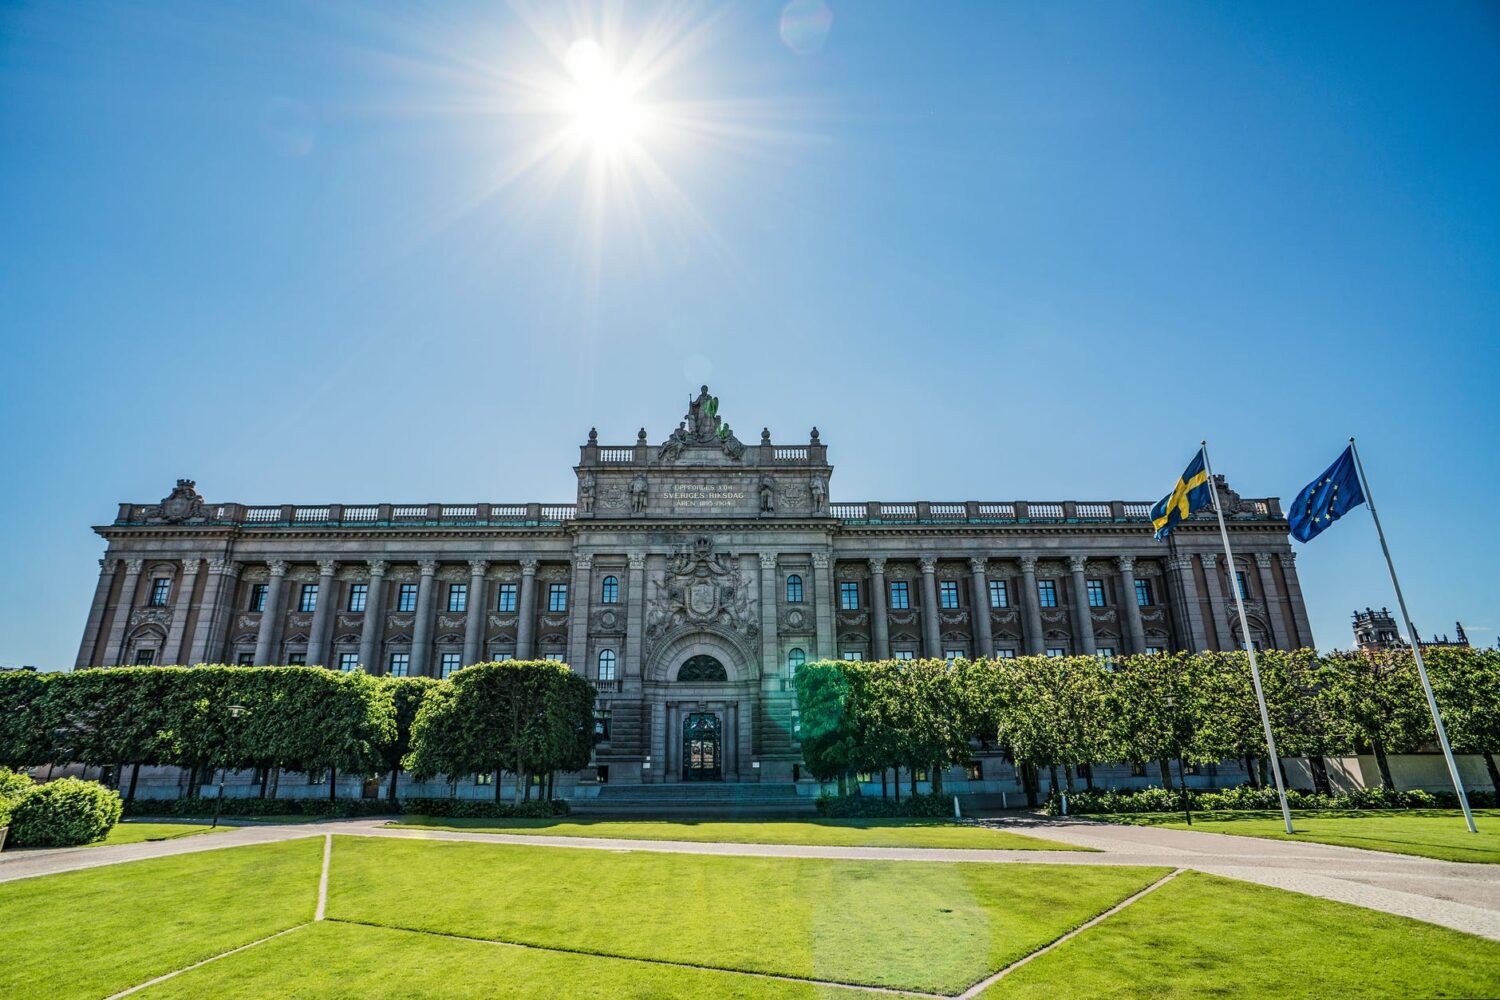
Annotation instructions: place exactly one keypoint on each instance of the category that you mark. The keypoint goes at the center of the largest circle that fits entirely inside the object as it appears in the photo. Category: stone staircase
(720, 800)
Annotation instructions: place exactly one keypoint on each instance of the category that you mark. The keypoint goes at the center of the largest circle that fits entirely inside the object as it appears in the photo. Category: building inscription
(704, 495)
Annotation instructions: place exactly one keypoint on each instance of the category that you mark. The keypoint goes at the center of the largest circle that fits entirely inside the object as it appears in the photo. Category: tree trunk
(1052, 773)
(1489, 763)
(1029, 782)
(1252, 772)
(390, 792)
(497, 788)
(1068, 777)
(1264, 763)
(517, 798)
(937, 780)
(1088, 775)
(897, 783)
(1166, 772)
(885, 789)
(1319, 768)
(274, 779)
(1385, 766)
(333, 777)
(135, 774)
(913, 773)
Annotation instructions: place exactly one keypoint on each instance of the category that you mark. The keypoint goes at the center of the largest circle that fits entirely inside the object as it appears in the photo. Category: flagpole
(1239, 603)
(1416, 648)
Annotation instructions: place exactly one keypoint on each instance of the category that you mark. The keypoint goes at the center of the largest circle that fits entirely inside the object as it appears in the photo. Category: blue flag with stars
(1192, 493)
(1326, 499)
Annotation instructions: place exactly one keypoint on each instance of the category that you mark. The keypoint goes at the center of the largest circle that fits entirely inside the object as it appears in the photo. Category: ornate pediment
(700, 426)
(701, 588)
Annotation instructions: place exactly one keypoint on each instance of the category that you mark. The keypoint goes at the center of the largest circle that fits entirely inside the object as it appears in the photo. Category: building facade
(1375, 631)
(688, 580)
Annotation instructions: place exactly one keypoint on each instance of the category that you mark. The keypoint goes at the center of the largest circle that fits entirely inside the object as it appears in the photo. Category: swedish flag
(1192, 493)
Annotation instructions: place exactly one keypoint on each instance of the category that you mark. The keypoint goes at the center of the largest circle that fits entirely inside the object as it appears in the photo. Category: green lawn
(832, 832)
(1431, 833)
(134, 833)
(918, 925)
(94, 932)
(1203, 936)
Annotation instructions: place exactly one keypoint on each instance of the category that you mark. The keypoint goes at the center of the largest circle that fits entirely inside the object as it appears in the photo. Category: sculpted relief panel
(704, 589)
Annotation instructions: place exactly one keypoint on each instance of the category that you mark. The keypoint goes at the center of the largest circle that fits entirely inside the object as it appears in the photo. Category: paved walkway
(1465, 897)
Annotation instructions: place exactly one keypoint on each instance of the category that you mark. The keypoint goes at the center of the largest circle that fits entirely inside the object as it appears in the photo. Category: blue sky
(993, 251)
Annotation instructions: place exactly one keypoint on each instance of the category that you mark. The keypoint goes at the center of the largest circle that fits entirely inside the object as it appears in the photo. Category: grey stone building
(688, 581)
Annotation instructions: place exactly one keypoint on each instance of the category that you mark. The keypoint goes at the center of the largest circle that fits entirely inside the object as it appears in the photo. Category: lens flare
(602, 104)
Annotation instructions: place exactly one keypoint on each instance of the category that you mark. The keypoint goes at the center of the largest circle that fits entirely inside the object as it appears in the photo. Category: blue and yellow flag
(1192, 493)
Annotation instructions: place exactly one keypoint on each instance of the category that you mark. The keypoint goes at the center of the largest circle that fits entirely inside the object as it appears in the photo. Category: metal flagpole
(1239, 603)
(1416, 648)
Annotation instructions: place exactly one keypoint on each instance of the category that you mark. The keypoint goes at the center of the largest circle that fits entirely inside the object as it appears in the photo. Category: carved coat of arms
(701, 588)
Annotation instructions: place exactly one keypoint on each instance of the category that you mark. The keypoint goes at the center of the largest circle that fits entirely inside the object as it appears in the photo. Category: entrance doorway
(702, 748)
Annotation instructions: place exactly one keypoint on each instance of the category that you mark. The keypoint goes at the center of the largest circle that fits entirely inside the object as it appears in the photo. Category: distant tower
(1463, 639)
(1376, 630)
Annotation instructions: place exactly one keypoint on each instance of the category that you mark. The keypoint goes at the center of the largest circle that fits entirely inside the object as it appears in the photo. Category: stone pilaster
(1134, 630)
(1279, 638)
(526, 616)
(1223, 635)
(270, 618)
(880, 623)
(1188, 610)
(187, 582)
(317, 634)
(421, 633)
(770, 653)
(635, 616)
(980, 611)
(580, 600)
(114, 650)
(1294, 598)
(95, 621)
(373, 628)
(932, 642)
(822, 587)
(1031, 606)
(1083, 615)
(478, 608)
(213, 620)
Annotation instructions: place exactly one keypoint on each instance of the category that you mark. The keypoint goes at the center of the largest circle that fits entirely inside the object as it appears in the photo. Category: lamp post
(1187, 809)
(235, 711)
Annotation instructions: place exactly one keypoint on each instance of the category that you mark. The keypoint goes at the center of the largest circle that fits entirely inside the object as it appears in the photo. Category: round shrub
(65, 813)
(14, 784)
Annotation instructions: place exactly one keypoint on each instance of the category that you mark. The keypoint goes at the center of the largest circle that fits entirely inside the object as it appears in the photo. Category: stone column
(822, 583)
(421, 633)
(1279, 638)
(1294, 597)
(478, 608)
(770, 653)
(373, 629)
(526, 616)
(1030, 604)
(187, 582)
(317, 634)
(984, 636)
(880, 623)
(1223, 636)
(580, 600)
(1133, 627)
(635, 615)
(1083, 616)
(265, 639)
(216, 613)
(95, 621)
(1189, 612)
(932, 642)
(114, 650)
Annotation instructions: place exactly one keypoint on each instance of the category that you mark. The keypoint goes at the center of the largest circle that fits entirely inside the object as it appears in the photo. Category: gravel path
(1465, 897)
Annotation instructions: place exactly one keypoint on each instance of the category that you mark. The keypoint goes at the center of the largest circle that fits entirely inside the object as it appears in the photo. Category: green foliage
(14, 784)
(26, 731)
(64, 813)
(482, 809)
(200, 806)
(863, 806)
(407, 695)
(1250, 798)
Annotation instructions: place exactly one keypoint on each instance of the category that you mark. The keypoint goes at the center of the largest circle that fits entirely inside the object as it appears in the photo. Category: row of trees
(1051, 713)
(523, 717)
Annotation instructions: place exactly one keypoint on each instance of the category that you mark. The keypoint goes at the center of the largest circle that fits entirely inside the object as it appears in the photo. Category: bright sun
(602, 104)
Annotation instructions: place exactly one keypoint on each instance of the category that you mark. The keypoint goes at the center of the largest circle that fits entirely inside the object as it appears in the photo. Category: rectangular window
(297, 660)
(245, 660)
(348, 662)
(504, 656)
(864, 777)
(145, 657)
(506, 601)
(953, 654)
(849, 596)
(309, 599)
(999, 594)
(1239, 581)
(400, 664)
(1046, 593)
(406, 597)
(1095, 590)
(458, 597)
(258, 597)
(557, 597)
(554, 657)
(358, 594)
(1153, 650)
(1056, 651)
(850, 654)
(484, 778)
(450, 663)
(948, 594)
(900, 595)
(974, 771)
(1005, 654)
(161, 588)
(601, 725)
(905, 654)
(1143, 596)
(1107, 654)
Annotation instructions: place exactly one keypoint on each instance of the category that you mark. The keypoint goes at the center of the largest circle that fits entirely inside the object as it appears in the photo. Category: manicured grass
(134, 833)
(94, 932)
(918, 925)
(1203, 936)
(337, 961)
(831, 832)
(1431, 833)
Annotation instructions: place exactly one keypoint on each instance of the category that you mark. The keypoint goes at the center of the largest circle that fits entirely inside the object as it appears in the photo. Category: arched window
(794, 589)
(702, 669)
(609, 591)
(607, 665)
(794, 661)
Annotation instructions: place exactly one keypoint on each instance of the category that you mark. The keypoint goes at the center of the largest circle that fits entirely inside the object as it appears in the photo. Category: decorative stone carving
(953, 617)
(1125, 564)
(583, 561)
(450, 622)
(1054, 617)
(902, 617)
(554, 621)
(246, 621)
(927, 564)
(505, 621)
(302, 574)
(1152, 615)
(636, 560)
(453, 574)
(403, 573)
(134, 565)
(978, 565)
(818, 487)
(701, 588)
(1263, 560)
(378, 567)
(150, 616)
(613, 498)
(608, 620)
(299, 621)
(848, 571)
(877, 565)
(349, 621)
(552, 573)
(183, 504)
(1103, 615)
(795, 618)
(767, 495)
(1210, 561)
(1077, 564)
(401, 621)
(278, 567)
(850, 618)
(768, 560)
(794, 495)
(1028, 564)
(478, 567)
(587, 486)
(820, 560)
(327, 567)
(528, 567)
(224, 567)
(639, 488)
(428, 566)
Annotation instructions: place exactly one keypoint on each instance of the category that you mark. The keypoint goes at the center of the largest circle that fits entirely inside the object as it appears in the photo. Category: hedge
(1243, 797)
(485, 809)
(196, 808)
(856, 806)
(64, 813)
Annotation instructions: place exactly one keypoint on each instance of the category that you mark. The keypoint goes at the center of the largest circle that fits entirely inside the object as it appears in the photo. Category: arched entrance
(702, 747)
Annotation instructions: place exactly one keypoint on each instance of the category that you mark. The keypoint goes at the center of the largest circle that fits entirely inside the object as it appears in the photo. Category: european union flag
(1326, 499)
(1192, 493)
